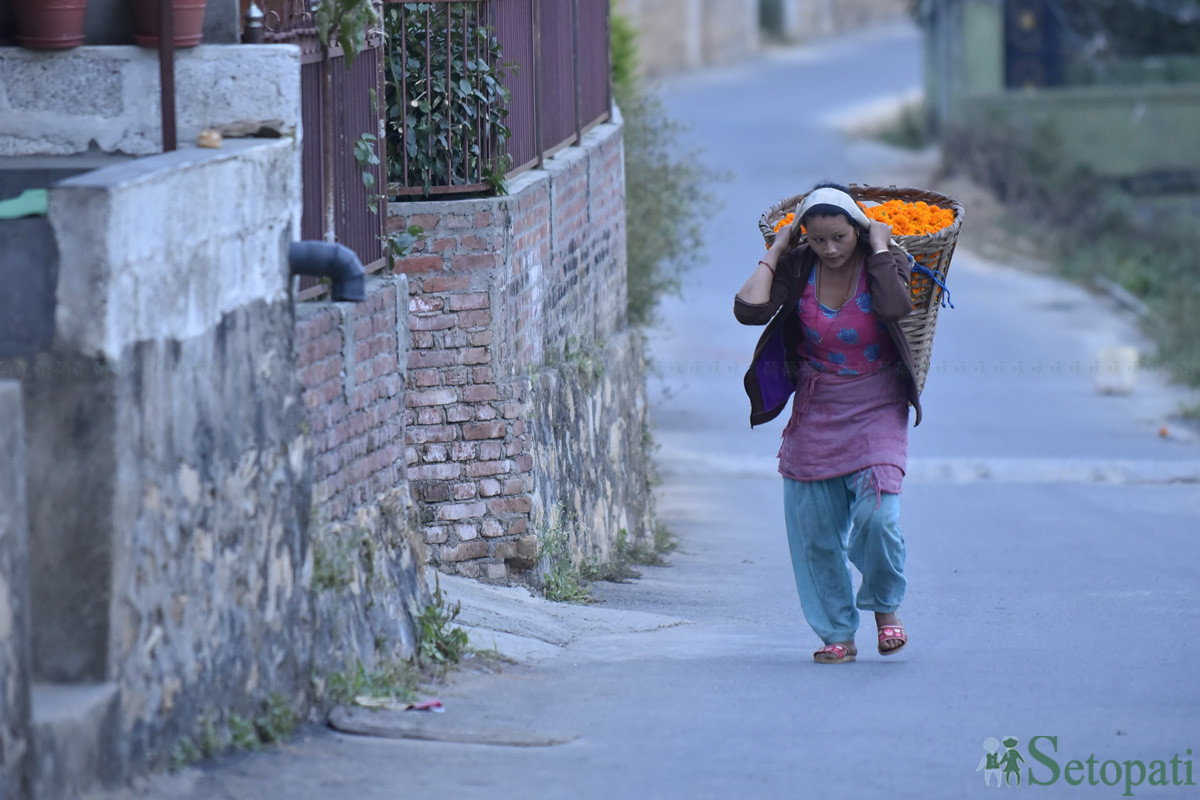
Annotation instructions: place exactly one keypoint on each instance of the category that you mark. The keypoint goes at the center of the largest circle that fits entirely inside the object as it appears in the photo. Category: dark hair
(828, 210)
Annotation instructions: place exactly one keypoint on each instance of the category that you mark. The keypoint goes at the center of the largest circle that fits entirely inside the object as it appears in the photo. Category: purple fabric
(774, 383)
(845, 423)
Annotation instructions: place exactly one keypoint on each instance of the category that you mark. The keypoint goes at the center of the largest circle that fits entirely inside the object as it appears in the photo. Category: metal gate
(1032, 44)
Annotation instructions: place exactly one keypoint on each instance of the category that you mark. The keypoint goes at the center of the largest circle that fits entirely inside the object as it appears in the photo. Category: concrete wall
(677, 35)
(14, 596)
(30, 264)
(1116, 131)
(801, 20)
(509, 297)
(107, 98)
(167, 463)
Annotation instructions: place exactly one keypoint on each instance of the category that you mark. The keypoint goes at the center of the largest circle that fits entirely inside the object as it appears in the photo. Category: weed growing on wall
(562, 579)
(388, 681)
(442, 643)
(565, 581)
(217, 733)
(586, 357)
(333, 561)
(667, 190)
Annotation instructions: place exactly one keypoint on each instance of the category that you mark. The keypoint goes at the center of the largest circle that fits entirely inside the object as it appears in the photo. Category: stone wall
(589, 436)
(502, 290)
(166, 463)
(14, 595)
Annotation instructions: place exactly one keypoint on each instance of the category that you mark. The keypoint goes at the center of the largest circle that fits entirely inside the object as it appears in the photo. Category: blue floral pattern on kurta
(845, 341)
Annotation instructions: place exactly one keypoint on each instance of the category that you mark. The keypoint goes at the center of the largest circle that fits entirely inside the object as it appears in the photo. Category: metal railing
(559, 88)
(336, 110)
(559, 85)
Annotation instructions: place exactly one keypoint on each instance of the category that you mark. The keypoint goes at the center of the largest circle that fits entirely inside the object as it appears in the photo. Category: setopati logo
(1003, 764)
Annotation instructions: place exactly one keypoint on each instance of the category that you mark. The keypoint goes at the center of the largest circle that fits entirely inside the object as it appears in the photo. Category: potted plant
(189, 22)
(50, 24)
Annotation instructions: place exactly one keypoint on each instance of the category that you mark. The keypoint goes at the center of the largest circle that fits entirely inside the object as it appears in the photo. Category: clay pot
(50, 24)
(189, 22)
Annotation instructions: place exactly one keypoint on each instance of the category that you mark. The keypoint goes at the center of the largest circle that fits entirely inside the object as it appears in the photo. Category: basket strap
(938, 278)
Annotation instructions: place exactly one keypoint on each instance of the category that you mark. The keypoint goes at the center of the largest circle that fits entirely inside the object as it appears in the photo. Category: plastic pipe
(334, 261)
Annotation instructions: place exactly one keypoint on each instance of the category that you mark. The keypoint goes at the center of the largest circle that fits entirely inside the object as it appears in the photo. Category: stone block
(524, 553)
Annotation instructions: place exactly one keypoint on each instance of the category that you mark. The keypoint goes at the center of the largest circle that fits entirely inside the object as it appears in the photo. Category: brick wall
(368, 558)
(498, 289)
(352, 359)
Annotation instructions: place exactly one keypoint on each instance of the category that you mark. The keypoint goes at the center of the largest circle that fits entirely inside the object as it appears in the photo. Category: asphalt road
(1052, 533)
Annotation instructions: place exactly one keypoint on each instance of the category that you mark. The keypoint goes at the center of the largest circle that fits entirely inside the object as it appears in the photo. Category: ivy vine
(446, 71)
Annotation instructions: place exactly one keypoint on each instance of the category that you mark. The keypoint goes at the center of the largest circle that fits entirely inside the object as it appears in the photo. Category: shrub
(446, 71)
(667, 194)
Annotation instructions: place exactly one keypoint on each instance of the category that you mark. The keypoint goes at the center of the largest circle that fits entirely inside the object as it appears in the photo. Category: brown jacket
(771, 378)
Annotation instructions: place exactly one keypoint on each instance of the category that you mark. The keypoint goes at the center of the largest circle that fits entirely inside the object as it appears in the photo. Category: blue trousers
(833, 522)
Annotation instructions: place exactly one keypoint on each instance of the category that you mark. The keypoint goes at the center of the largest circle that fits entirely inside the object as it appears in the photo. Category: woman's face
(833, 239)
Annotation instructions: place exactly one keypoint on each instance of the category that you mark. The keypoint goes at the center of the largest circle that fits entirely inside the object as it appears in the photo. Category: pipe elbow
(334, 261)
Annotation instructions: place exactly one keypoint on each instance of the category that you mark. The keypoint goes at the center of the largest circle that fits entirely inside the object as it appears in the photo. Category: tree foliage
(667, 191)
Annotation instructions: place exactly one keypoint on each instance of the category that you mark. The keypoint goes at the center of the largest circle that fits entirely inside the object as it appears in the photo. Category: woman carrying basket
(832, 306)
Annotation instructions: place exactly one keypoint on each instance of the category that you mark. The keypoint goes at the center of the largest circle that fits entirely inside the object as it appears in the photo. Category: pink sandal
(892, 633)
(841, 654)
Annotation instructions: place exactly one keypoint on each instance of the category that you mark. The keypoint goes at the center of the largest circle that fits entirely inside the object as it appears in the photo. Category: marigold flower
(906, 219)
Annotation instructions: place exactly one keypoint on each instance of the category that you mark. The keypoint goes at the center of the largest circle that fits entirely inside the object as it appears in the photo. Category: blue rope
(938, 278)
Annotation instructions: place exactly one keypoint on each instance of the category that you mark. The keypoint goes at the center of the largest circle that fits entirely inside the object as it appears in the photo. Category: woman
(832, 306)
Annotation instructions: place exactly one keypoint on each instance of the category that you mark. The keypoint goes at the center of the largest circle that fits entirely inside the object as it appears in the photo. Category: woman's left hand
(880, 236)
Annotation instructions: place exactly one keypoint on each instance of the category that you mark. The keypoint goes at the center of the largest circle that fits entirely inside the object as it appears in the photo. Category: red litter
(426, 705)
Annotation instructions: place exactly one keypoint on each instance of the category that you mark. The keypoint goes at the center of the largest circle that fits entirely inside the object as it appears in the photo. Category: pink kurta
(850, 411)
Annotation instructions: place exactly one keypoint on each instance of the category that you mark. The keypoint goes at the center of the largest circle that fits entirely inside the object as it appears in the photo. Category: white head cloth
(827, 195)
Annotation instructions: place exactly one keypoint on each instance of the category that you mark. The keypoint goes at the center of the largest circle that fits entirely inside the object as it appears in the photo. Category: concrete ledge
(75, 735)
(163, 247)
(59, 103)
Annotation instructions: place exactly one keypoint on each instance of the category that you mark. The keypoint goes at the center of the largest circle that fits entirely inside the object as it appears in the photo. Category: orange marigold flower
(906, 219)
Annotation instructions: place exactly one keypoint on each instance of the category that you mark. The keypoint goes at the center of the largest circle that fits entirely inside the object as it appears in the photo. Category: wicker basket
(932, 251)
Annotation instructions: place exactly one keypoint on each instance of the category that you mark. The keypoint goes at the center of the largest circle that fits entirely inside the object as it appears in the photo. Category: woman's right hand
(784, 238)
